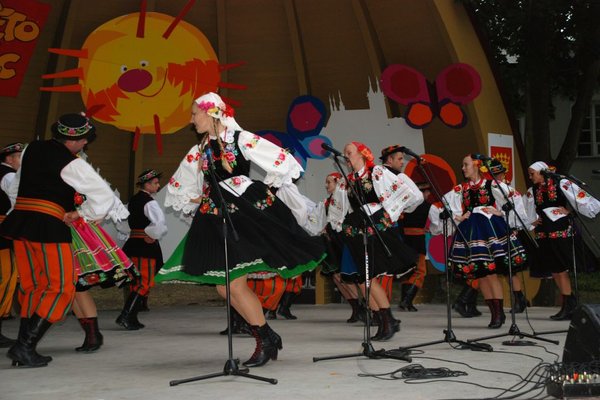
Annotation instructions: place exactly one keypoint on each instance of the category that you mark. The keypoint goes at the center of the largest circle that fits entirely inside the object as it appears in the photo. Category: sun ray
(225, 67)
(70, 73)
(83, 53)
(93, 110)
(136, 138)
(65, 88)
(158, 133)
(232, 102)
(185, 10)
(142, 20)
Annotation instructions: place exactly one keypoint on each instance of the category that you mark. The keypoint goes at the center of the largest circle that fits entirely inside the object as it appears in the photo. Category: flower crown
(216, 111)
(74, 132)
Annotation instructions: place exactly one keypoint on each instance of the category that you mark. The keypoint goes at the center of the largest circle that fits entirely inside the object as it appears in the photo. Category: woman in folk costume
(269, 237)
(331, 266)
(476, 207)
(382, 195)
(98, 262)
(546, 204)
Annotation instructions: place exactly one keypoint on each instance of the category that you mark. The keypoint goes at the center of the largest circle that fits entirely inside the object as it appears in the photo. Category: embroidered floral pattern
(173, 182)
(252, 143)
(190, 158)
(280, 158)
(266, 202)
(555, 234)
(383, 224)
(546, 190)
(207, 206)
(478, 190)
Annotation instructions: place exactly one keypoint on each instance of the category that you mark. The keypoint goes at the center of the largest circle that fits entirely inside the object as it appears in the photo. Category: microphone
(209, 155)
(411, 153)
(333, 151)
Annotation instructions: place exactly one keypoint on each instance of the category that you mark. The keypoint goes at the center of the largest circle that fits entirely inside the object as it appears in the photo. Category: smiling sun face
(141, 72)
(135, 78)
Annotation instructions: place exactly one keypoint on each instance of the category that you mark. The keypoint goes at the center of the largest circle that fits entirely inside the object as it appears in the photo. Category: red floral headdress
(366, 153)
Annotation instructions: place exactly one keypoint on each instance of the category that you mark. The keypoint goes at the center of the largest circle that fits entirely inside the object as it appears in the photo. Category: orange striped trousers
(294, 285)
(47, 278)
(268, 291)
(386, 283)
(8, 281)
(147, 269)
(417, 278)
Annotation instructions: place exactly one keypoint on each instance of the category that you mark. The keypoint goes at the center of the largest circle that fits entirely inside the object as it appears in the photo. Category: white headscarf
(539, 166)
(214, 106)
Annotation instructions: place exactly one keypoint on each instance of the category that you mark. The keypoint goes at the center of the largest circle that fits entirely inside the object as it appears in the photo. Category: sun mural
(140, 72)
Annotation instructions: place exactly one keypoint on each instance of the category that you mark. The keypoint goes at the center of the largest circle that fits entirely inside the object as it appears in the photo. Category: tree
(544, 49)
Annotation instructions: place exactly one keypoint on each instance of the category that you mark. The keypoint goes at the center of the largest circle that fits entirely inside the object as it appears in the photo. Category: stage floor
(182, 342)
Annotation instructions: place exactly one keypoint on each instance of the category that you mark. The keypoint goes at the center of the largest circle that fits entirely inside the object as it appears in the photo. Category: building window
(589, 142)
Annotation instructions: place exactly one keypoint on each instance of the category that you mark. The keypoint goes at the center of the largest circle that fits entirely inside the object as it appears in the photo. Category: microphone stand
(231, 365)
(514, 329)
(368, 350)
(449, 336)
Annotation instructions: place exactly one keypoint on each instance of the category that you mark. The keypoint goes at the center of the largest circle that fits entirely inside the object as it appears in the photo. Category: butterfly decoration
(457, 85)
(305, 120)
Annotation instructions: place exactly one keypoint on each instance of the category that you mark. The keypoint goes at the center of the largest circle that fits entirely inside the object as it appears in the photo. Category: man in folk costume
(44, 190)
(411, 226)
(147, 223)
(10, 161)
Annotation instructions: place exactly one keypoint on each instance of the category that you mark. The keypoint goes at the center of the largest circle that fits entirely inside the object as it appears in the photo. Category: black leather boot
(93, 338)
(265, 348)
(270, 314)
(354, 317)
(284, 305)
(462, 302)
(377, 316)
(388, 326)
(569, 304)
(471, 308)
(144, 305)
(496, 319)
(128, 317)
(23, 352)
(406, 304)
(4, 341)
(275, 338)
(238, 324)
(519, 302)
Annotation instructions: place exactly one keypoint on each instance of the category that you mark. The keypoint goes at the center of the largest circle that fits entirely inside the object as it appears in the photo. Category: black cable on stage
(532, 385)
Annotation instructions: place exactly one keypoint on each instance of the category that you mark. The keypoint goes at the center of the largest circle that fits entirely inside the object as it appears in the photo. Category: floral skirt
(98, 260)
(485, 251)
(269, 241)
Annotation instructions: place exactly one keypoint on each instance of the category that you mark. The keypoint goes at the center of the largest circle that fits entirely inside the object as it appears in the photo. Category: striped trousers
(417, 278)
(47, 278)
(147, 269)
(8, 281)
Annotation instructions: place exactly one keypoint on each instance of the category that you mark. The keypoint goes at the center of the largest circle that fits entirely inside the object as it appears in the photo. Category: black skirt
(270, 240)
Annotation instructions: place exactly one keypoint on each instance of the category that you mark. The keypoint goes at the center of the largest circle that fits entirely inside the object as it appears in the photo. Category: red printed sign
(505, 156)
(21, 22)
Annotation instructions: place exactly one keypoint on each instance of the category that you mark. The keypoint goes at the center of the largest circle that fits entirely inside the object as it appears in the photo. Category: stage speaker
(583, 337)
